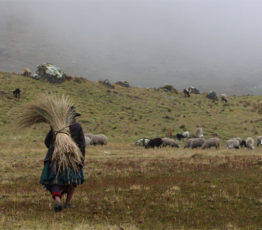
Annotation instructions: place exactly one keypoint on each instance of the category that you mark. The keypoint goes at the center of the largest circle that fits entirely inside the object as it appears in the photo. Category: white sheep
(142, 142)
(224, 97)
(194, 143)
(199, 132)
(87, 140)
(233, 143)
(259, 140)
(98, 139)
(250, 143)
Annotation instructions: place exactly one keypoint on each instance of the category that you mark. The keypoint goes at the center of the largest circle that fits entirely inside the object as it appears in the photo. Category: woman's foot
(57, 207)
(57, 204)
(69, 205)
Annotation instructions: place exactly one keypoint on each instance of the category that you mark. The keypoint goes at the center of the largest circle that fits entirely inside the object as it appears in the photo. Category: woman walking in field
(64, 181)
(65, 142)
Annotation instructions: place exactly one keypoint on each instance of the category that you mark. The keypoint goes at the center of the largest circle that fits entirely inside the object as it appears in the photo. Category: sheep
(98, 139)
(250, 143)
(16, 92)
(185, 134)
(90, 136)
(235, 143)
(243, 143)
(199, 132)
(197, 143)
(188, 143)
(155, 142)
(186, 92)
(169, 142)
(212, 142)
(179, 136)
(194, 143)
(142, 142)
(259, 140)
(224, 97)
(87, 140)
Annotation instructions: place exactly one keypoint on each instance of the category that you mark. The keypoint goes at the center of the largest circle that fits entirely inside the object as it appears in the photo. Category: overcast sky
(211, 44)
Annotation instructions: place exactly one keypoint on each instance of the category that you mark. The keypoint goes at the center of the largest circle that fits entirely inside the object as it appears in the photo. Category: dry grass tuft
(56, 112)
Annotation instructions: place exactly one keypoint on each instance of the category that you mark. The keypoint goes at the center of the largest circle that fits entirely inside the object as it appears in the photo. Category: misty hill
(212, 45)
(126, 114)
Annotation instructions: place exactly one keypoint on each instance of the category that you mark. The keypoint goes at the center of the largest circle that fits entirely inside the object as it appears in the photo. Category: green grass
(128, 186)
(126, 114)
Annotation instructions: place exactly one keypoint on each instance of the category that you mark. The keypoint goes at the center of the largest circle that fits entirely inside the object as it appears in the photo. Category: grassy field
(134, 188)
(126, 114)
(131, 187)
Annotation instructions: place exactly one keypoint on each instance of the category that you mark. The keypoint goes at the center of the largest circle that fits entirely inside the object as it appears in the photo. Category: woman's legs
(57, 195)
(57, 191)
(70, 192)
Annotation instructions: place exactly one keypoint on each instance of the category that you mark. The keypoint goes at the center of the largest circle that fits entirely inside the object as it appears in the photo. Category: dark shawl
(77, 135)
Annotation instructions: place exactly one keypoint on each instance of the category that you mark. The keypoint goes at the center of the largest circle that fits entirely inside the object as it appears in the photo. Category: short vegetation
(129, 187)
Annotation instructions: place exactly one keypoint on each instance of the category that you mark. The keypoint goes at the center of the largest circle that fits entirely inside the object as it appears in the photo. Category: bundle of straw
(56, 112)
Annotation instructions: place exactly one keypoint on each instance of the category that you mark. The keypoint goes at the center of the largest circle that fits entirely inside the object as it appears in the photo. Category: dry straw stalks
(58, 113)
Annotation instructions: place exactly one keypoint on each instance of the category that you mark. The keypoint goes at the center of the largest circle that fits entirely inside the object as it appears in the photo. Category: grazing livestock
(259, 140)
(155, 142)
(199, 132)
(87, 140)
(250, 143)
(212, 142)
(243, 144)
(233, 144)
(186, 92)
(16, 92)
(142, 142)
(169, 142)
(236, 143)
(179, 136)
(194, 143)
(185, 134)
(197, 143)
(188, 143)
(224, 97)
(98, 139)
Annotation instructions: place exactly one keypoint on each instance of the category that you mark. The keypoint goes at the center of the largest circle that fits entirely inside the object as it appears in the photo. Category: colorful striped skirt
(63, 178)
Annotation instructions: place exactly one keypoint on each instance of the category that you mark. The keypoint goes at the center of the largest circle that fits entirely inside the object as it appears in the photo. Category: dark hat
(73, 109)
(77, 115)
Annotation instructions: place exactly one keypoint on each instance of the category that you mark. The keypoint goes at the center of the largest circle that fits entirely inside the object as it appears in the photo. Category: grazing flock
(197, 141)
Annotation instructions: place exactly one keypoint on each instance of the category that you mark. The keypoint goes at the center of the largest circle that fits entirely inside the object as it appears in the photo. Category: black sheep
(179, 136)
(156, 142)
(243, 144)
(16, 93)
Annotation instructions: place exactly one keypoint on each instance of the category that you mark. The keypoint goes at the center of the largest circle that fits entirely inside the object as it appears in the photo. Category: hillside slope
(126, 114)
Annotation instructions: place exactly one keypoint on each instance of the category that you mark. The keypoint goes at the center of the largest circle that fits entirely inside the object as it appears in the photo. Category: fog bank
(210, 44)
